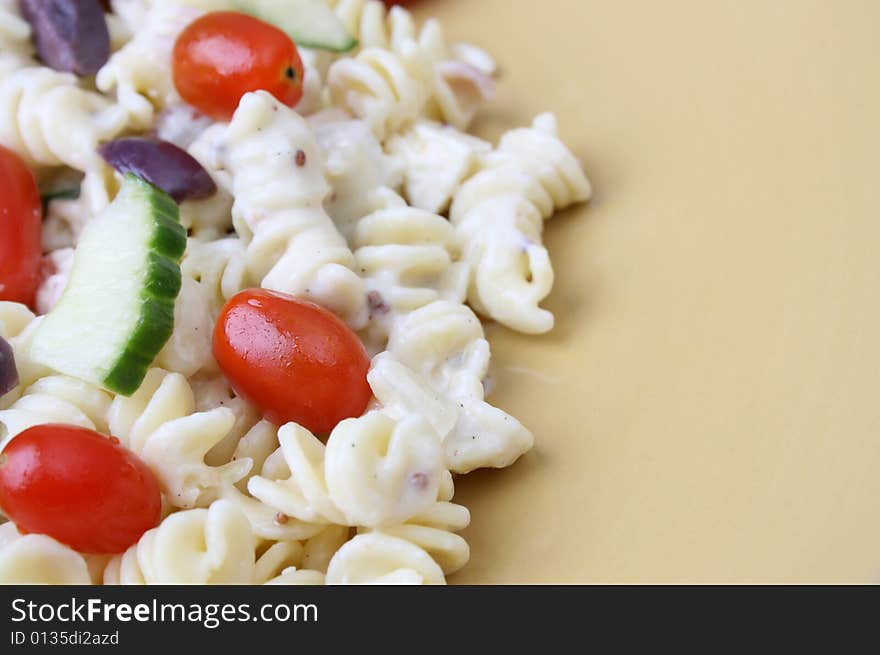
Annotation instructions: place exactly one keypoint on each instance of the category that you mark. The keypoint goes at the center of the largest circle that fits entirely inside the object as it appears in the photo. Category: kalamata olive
(8, 372)
(161, 163)
(70, 35)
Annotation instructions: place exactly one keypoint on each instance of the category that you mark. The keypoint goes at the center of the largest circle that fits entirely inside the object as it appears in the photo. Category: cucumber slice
(310, 23)
(118, 309)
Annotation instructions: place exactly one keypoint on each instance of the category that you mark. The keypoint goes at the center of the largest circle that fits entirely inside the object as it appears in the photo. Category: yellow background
(708, 407)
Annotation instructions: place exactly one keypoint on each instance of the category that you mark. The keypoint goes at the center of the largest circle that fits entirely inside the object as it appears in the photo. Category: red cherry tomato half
(293, 359)
(78, 487)
(223, 55)
(20, 230)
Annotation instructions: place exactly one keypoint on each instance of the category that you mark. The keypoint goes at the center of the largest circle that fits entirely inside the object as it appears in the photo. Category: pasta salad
(246, 248)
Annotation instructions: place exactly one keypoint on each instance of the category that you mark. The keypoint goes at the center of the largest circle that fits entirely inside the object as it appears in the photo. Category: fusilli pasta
(38, 559)
(57, 399)
(355, 167)
(433, 530)
(160, 424)
(279, 187)
(188, 351)
(17, 326)
(260, 445)
(435, 159)
(66, 218)
(383, 472)
(406, 255)
(196, 546)
(378, 558)
(16, 50)
(212, 390)
(218, 266)
(374, 471)
(458, 76)
(140, 72)
(440, 350)
(499, 213)
(49, 120)
(388, 90)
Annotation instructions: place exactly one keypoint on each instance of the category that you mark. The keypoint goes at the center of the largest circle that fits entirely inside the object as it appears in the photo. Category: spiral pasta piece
(376, 26)
(140, 72)
(298, 577)
(459, 91)
(210, 218)
(49, 120)
(261, 446)
(218, 266)
(400, 391)
(293, 481)
(378, 558)
(355, 166)
(374, 471)
(435, 159)
(159, 423)
(38, 559)
(66, 218)
(212, 272)
(313, 83)
(16, 50)
(196, 546)
(291, 562)
(371, 23)
(279, 187)
(383, 472)
(320, 549)
(57, 399)
(406, 256)
(15, 318)
(188, 349)
(132, 14)
(276, 558)
(499, 213)
(211, 390)
(124, 19)
(458, 75)
(440, 349)
(388, 90)
(434, 532)
(17, 326)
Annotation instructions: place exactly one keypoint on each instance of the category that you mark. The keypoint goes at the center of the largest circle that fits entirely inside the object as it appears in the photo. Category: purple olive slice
(8, 372)
(70, 35)
(162, 164)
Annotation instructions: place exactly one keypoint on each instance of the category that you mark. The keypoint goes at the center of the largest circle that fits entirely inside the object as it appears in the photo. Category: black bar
(225, 618)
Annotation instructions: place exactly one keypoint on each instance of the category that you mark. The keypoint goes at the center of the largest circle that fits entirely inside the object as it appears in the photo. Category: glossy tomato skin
(20, 230)
(293, 359)
(223, 55)
(78, 487)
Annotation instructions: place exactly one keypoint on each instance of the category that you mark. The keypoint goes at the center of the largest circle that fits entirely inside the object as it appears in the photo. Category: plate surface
(708, 407)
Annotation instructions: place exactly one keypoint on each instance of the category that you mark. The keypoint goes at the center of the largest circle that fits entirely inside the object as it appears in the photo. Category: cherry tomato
(223, 55)
(20, 230)
(79, 487)
(293, 359)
